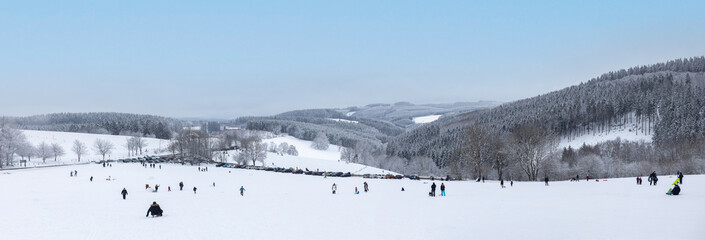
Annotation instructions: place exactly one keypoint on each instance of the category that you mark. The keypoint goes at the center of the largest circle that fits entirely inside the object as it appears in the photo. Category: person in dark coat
(676, 190)
(124, 193)
(443, 189)
(546, 180)
(242, 190)
(155, 210)
(501, 183)
(433, 189)
(680, 177)
(194, 190)
(181, 186)
(366, 187)
(91, 178)
(652, 178)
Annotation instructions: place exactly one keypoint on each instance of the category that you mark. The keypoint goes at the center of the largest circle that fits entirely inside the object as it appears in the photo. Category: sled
(676, 182)
(669, 191)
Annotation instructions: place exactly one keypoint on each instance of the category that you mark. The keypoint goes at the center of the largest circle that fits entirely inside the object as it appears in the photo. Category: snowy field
(48, 204)
(65, 140)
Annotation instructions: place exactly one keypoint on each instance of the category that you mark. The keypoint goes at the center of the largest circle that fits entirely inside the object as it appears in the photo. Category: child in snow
(443, 189)
(242, 191)
(366, 187)
(124, 193)
(334, 188)
(356, 191)
(194, 190)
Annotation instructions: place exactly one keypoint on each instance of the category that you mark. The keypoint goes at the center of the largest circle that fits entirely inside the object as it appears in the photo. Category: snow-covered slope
(425, 119)
(48, 204)
(590, 139)
(66, 139)
(323, 160)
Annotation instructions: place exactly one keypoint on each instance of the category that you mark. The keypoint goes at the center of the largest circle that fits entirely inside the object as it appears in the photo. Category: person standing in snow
(155, 210)
(124, 193)
(181, 186)
(168, 188)
(443, 189)
(680, 177)
(365, 186)
(501, 183)
(194, 190)
(91, 178)
(653, 178)
(334, 188)
(433, 189)
(546, 180)
(71, 174)
(242, 190)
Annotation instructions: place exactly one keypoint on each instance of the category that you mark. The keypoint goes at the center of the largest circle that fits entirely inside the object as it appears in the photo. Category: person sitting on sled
(675, 191)
(155, 210)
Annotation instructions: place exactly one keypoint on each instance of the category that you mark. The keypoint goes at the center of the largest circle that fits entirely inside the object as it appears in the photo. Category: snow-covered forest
(101, 123)
(664, 100)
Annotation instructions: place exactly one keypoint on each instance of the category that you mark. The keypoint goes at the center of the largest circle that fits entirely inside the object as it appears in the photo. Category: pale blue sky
(230, 58)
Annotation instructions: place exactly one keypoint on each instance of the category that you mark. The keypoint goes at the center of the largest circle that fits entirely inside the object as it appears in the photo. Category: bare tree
(26, 150)
(253, 150)
(347, 154)
(475, 149)
(320, 142)
(103, 147)
(44, 151)
(78, 148)
(10, 141)
(57, 150)
(140, 143)
(531, 146)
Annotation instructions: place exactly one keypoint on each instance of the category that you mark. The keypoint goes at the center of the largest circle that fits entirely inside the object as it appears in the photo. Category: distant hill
(101, 122)
(403, 113)
(372, 125)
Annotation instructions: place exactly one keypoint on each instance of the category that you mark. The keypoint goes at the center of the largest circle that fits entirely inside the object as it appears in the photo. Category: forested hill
(368, 127)
(101, 122)
(666, 97)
